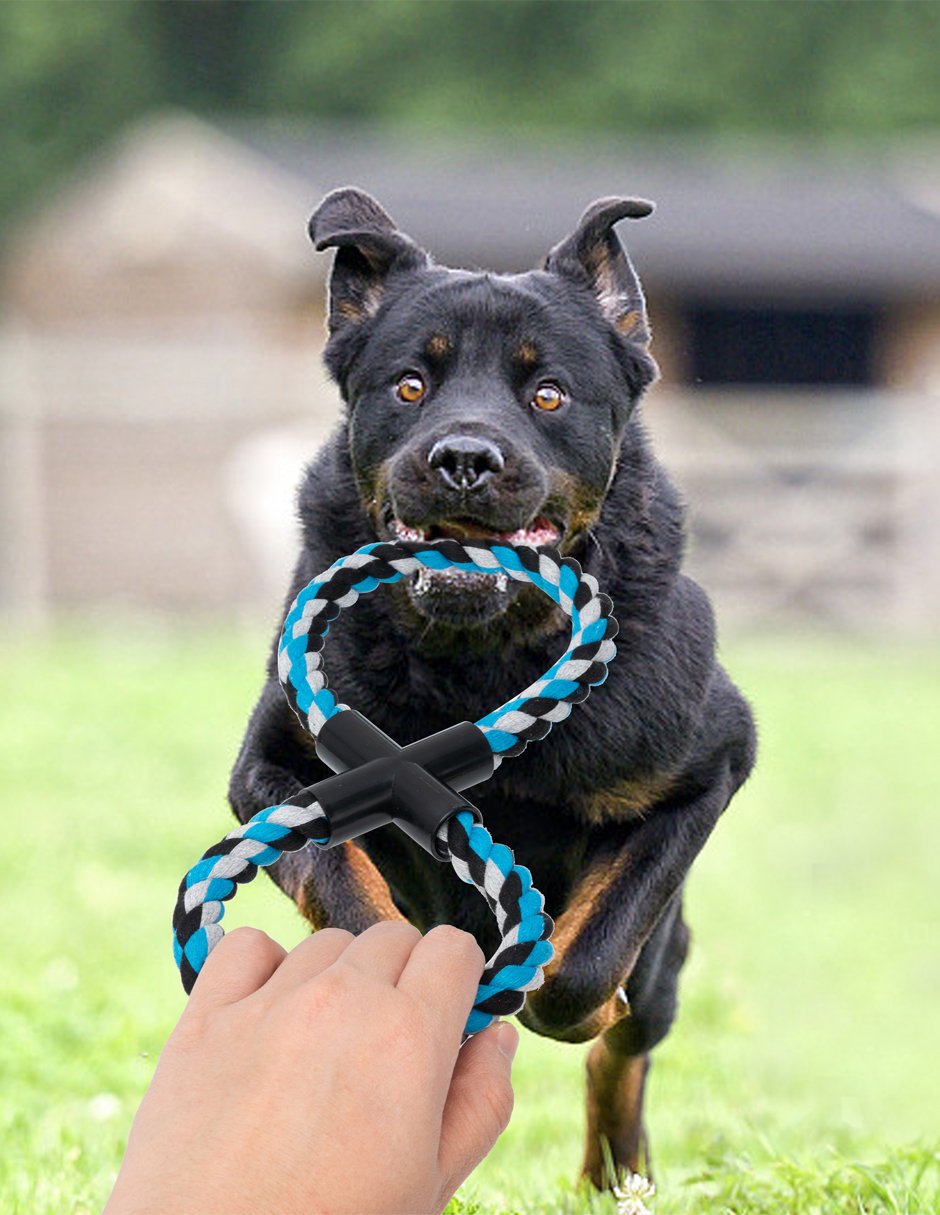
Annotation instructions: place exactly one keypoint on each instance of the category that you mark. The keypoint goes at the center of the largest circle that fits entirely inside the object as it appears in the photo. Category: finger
(307, 960)
(242, 962)
(381, 952)
(479, 1102)
(442, 975)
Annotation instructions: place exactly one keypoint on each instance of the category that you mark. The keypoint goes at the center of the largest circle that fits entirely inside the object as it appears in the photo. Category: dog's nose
(466, 461)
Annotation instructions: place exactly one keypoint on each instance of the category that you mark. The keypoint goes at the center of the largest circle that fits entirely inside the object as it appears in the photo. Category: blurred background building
(162, 310)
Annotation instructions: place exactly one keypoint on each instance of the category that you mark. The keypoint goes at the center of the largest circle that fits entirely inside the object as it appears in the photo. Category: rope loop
(525, 928)
(524, 718)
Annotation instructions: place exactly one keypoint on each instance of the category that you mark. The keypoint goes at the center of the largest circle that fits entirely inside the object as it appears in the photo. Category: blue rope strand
(476, 859)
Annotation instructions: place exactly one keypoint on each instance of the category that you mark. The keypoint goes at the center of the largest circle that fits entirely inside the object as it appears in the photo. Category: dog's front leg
(336, 887)
(613, 910)
(619, 945)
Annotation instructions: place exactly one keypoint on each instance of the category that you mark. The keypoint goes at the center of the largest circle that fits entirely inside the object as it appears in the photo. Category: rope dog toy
(417, 786)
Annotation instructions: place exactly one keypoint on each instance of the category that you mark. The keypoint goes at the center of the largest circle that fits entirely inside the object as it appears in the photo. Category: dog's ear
(368, 248)
(593, 253)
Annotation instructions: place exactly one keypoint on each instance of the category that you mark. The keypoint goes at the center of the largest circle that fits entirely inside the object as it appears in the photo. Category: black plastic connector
(378, 781)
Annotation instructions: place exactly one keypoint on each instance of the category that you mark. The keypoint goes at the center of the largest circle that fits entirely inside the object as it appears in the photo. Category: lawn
(803, 1074)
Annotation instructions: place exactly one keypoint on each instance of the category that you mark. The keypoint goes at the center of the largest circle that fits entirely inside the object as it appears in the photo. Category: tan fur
(371, 891)
(628, 799)
(615, 1113)
(581, 908)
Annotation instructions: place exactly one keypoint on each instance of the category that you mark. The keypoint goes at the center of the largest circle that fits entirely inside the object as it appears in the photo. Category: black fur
(630, 786)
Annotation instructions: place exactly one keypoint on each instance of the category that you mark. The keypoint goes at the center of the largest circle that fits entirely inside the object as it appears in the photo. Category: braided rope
(526, 717)
(517, 965)
(514, 969)
(214, 879)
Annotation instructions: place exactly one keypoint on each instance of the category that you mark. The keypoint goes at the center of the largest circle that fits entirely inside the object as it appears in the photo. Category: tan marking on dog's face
(437, 346)
(373, 494)
(581, 522)
(527, 354)
(580, 505)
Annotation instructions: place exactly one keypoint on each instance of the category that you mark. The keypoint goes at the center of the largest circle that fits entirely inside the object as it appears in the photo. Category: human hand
(326, 1080)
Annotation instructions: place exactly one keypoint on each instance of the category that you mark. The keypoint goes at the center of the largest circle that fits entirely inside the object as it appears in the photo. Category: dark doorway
(757, 345)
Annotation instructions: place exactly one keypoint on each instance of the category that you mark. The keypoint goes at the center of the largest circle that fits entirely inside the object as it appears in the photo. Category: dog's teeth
(408, 533)
(622, 997)
(423, 581)
(501, 582)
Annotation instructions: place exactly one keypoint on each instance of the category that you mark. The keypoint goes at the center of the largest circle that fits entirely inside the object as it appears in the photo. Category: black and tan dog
(489, 405)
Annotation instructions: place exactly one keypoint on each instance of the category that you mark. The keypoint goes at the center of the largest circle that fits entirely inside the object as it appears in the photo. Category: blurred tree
(71, 74)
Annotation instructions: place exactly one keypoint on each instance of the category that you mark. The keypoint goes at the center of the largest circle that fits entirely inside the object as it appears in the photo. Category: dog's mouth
(468, 596)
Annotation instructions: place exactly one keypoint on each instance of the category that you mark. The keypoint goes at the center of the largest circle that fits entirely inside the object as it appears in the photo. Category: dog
(488, 405)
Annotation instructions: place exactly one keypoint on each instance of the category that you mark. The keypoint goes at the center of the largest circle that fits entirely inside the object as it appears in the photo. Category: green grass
(803, 1074)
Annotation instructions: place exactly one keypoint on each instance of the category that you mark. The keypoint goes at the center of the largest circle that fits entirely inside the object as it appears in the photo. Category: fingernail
(507, 1039)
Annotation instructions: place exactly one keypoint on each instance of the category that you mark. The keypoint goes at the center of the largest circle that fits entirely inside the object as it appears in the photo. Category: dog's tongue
(540, 531)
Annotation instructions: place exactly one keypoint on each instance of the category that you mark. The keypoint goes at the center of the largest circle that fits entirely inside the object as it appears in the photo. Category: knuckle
(459, 942)
(243, 938)
(239, 947)
(327, 995)
(323, 936)
(393, 929)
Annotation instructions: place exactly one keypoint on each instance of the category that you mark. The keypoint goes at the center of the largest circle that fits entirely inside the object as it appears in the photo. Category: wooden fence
(809, 507)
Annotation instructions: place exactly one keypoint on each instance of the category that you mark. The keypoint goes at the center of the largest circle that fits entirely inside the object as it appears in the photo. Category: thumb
(479, 1102)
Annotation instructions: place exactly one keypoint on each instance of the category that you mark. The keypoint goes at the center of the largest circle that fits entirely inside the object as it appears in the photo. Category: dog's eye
(410, 388)
(548, 396)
